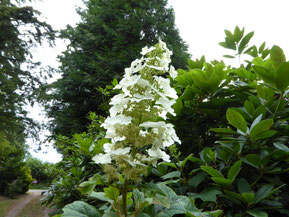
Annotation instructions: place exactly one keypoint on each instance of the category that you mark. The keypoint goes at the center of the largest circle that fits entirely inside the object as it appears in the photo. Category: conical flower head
(136, 125)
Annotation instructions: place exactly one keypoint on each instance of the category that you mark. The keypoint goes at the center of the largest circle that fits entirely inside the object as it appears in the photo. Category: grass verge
(5, 204)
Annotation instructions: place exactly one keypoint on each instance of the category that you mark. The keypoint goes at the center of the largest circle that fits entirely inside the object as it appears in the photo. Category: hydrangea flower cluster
(136, 125)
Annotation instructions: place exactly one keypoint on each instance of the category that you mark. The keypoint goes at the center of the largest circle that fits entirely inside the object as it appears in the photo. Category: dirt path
(32, 196)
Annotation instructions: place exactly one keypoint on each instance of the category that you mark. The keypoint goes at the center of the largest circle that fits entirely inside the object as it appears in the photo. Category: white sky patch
(201, 24)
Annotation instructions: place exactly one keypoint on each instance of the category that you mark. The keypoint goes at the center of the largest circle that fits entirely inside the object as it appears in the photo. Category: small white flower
(102, 159)
(120, 151)
(149, 124)
(173, 72)
(159, 154)
(146, 50)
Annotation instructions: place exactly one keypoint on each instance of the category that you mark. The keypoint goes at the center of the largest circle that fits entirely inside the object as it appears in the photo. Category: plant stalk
(124, 197)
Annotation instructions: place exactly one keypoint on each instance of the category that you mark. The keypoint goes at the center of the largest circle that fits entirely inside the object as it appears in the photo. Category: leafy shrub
(233, 124)
(20, 185)
(42, 172)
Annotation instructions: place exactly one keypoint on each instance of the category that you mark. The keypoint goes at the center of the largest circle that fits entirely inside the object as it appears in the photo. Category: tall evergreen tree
(20, 31)
(20, 76)
(110, 35)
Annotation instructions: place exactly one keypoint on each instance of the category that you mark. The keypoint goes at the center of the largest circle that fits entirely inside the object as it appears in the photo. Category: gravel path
(23, 201)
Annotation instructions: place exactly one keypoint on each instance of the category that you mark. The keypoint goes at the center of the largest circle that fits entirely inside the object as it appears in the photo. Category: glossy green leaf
(281, 76)
(257, 213)
(222, 181)
(244, 42)
(249, 107)
(281, 146)
(208, 194)
(266, 74)
(261, 127)
(263, 192)
(253, 160)
(243, 186)
(212, 172)
(238, 34)
(234, 170)
(229, 56)
(237, 120)
(248, 197)
(224, 130)
(197, 179)
(174, 174)
(277, 56)
(264, 135)
(234, 195)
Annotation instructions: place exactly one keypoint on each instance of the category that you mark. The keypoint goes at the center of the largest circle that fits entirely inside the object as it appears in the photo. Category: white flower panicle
(138, 136)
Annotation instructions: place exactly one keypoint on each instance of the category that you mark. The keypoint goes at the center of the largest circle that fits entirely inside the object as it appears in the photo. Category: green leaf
(256, 121)
(138, 197)
(234, 170)
(88, 186)
(249, 107)
(277, 56)
(261, 127)
(266, 74)
(265, 134)
(257, 213)
(224, 130)
(183, 163)
(238, 34)
(111, 192)
(162, 200)
(223, 44)
(211, 171)
(237, 120)
(281, 76)
(253, 160)
(174, 174)
(100, 196)
(281, 146)
(263, 192)
(243, 186)
(262, 46)
(249, 197)
(222, 181)
(208, 194)
(229, 56)
(196, 180)
(244, 42)
(178, 106)
(170, 164)
(80, 209)
(234, 195)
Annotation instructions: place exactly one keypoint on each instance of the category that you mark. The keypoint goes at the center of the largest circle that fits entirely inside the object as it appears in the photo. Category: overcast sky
(201, 24)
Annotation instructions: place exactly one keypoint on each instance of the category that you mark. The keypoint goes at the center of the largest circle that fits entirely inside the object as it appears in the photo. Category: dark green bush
(20, 185)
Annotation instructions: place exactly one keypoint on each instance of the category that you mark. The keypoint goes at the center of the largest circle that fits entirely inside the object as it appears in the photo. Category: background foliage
(20, 31)
(234, 154)
(107, 39)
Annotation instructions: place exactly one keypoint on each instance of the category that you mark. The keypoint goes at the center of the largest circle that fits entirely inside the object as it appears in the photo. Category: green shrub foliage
(233, 161)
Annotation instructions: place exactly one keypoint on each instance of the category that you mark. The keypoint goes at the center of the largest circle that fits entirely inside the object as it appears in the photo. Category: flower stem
(124, 197)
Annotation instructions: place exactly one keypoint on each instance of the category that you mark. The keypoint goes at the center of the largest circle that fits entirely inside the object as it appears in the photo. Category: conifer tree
(107, 39)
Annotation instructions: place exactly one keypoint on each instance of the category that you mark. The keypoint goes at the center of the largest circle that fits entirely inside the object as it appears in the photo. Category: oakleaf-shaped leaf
(80, 209)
